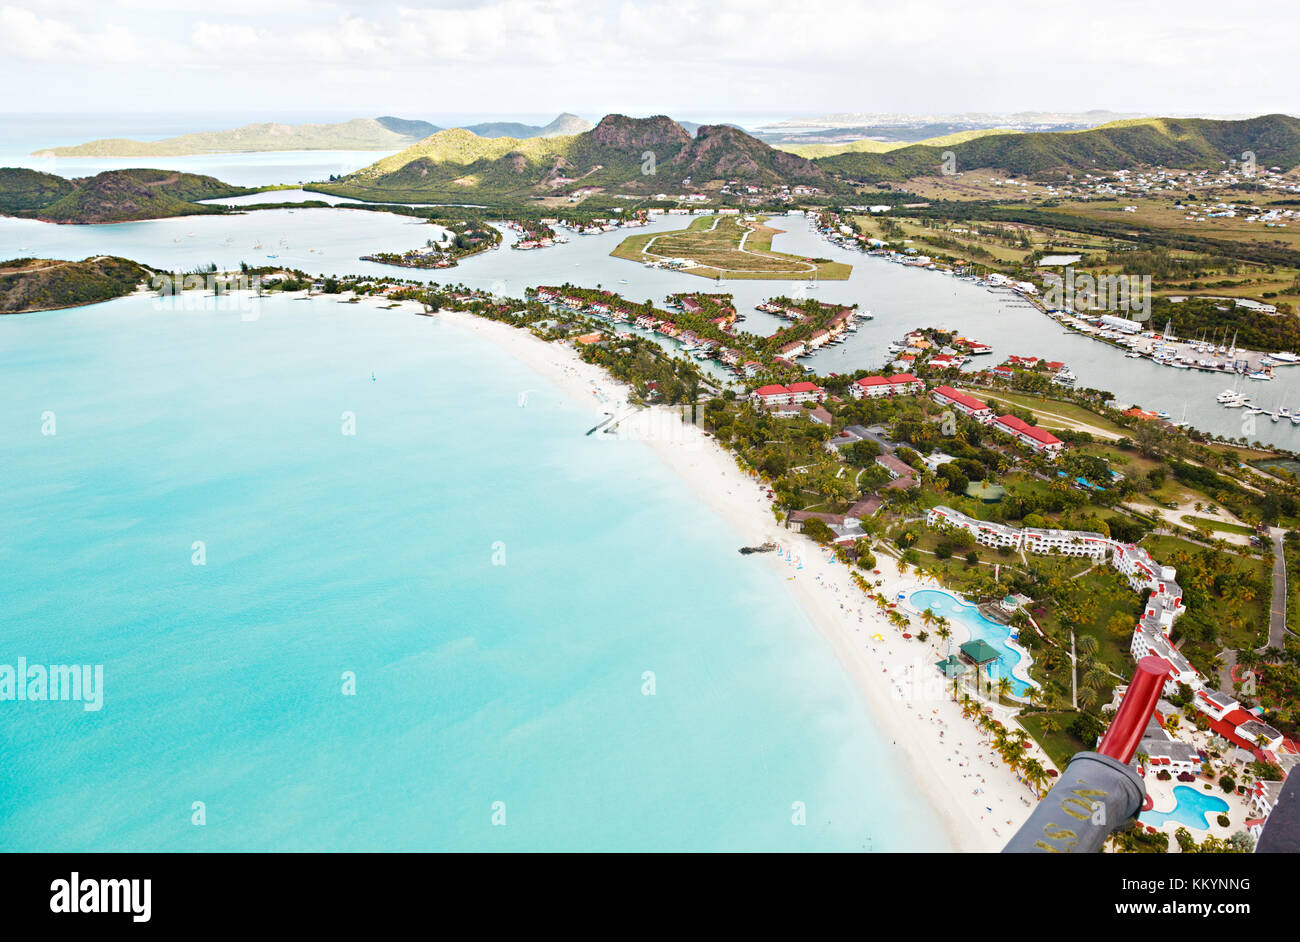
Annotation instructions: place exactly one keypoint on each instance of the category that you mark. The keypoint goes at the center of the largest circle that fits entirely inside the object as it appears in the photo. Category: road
(1277, 610)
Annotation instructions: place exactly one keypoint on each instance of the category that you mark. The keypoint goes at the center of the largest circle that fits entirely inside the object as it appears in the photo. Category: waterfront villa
(869, 387)
(977, 409)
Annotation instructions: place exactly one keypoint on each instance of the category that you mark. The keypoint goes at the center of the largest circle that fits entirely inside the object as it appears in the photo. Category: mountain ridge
(639, 155)
(111, 196)
(382, 133)
(1184, 143)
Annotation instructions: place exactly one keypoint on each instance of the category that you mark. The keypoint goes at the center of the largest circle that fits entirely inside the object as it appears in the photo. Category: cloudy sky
(689, 58)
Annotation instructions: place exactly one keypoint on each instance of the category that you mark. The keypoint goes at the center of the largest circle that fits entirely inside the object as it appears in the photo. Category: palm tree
(1004, 688)
(1034, 773)
(1097, 677)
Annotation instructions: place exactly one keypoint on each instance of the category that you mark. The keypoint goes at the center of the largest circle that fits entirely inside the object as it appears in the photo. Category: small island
(727, 245)
(45, 284)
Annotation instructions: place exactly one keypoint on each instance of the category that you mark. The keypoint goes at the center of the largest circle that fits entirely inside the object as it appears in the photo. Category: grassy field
(728, 247)
(1060, 745)
(1053, 414)
(1220, 525)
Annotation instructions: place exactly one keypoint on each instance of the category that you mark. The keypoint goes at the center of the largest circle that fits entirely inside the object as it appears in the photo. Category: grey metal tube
(1095, 795)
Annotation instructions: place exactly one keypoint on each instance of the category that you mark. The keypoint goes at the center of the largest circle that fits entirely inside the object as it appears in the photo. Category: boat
(1285, 357)
(1260, 374)
(1132, 355)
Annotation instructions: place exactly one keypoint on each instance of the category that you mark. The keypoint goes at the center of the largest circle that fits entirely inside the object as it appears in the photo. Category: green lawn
(1059, 745)
(1220, 525)
(1053, 413)
(714, 243)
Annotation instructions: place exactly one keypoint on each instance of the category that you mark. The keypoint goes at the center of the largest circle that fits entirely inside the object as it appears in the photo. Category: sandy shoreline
(977, 799)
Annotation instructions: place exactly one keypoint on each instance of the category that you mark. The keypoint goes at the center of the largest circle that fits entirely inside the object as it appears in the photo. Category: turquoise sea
(374, 554)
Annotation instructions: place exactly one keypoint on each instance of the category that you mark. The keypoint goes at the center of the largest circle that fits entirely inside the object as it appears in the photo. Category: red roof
(775, 389)
(897, 379)
(1024, 428)
(970, 402)
(804, 386)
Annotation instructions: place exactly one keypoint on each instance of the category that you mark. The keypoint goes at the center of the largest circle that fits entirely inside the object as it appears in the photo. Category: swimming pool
(962, 613)
(1191, 807)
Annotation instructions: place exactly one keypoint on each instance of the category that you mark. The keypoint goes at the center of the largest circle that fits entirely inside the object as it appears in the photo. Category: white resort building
(1163, 605)
(868, 387)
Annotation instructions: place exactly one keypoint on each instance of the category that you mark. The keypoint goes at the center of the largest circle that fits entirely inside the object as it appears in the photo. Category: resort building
(869, 387)
(1166, 754)
(896, 467)
(1164, 602)
(772, 395)
(1066, 542)
(985, 533)
(1147, 640)
(966, 404)
(1036, 438)
(806, 392)
(1264, 796)
(1238, 725)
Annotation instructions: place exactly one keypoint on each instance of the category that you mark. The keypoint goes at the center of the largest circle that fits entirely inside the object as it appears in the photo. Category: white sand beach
(979, 801)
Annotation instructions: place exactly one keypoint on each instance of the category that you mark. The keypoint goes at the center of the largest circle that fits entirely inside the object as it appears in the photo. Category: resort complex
(438, 478)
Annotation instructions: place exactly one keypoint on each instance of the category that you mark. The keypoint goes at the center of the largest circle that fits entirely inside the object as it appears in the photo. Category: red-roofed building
(1239, 726)
(896, 467)
(806, 392)
(969, 405)
(1036, 438)
(772, 395)
(870, 387)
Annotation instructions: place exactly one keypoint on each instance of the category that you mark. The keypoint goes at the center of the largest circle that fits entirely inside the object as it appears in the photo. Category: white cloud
(28, 36)
(680, 56)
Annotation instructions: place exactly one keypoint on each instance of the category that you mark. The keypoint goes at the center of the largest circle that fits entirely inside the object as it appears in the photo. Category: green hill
(22, 189)
(1186, 143)
(457, 165)
(113, 196)
(385, 133)
(32, 284)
